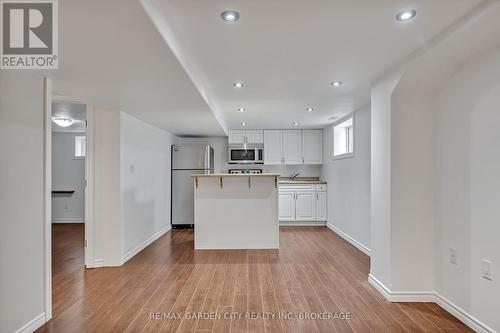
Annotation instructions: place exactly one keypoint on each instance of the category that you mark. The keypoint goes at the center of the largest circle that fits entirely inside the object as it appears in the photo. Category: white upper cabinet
(273, 147)
(312, 146)
(254, 136)
(246, 136)
(292, 146)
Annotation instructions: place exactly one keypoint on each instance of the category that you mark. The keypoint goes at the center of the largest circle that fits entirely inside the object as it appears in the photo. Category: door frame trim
(89, 189)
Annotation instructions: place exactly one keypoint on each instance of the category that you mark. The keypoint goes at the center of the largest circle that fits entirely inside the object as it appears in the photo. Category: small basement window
(80, 146)
(343, 138)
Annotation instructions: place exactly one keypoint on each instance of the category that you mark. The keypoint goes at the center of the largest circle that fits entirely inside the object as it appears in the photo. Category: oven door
(242, 155)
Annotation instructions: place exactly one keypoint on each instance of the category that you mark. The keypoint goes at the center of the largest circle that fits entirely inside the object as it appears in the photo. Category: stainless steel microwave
(246, 154)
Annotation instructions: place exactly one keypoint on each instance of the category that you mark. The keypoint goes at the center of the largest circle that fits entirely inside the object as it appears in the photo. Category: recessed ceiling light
(406, 15)
(63, 122)
(230, 16)
(243, 124)
(310, 109)
(295, 123)
(238, 84)
(240, 109)
(336, 83)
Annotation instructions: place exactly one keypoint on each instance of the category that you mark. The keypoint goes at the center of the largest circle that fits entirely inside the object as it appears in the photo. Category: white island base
(236, 211)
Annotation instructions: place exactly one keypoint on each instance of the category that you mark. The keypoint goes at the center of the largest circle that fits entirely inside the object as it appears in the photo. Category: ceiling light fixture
(230, 16)
(240, 109)
(238, 84)
(406, 15)
(310, 109)
(63, 122)
(243, 124)
(336, 83)
(295, 123)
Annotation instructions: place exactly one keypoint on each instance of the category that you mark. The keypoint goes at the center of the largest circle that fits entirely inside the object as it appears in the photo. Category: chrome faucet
(293, 175)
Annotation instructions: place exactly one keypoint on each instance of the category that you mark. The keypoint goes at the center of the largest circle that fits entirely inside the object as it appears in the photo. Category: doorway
(69, 205)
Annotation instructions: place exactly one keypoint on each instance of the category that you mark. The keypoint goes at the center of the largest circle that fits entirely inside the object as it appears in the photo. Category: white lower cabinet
(287, 206)
(321, 206)
(302, 204)
(305, 206)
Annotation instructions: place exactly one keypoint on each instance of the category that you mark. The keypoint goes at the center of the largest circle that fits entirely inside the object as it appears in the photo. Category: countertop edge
(217, 175)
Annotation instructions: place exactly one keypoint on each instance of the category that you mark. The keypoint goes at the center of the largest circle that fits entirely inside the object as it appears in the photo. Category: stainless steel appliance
(246, 154)
(187, 160)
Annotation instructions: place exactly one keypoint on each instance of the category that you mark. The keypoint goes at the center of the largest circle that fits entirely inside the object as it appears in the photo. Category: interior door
(305, 206)
(321, 210)
(292, 146)
(312, 146)
(287, 206)
(273, 144)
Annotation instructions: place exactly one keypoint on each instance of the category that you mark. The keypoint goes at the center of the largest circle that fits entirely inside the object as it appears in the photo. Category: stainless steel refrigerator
(187, 160)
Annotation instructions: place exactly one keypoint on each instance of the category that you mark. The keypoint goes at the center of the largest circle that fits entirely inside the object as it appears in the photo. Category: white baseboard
(302, 224)
(462, 315)
(97, 263)
(69, 220)
(400, 296)
(33, 324)
(349, 239)
(143, 245)
(434, 297)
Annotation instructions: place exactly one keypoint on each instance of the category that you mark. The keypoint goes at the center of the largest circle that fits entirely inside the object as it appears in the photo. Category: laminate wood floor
(169, 287)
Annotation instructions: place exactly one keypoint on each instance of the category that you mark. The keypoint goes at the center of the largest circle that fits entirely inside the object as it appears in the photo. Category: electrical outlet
(66, 206)
(486, 269)
(131, 168)
(453, 256)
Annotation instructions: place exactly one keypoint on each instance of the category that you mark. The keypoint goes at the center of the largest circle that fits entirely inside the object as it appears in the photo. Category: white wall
(21, 199)
(349, 182)
(107, 206)
(68, 173)
(468, 162)
(413, 134)
(221, 159)
(145, 182)
(380, 178)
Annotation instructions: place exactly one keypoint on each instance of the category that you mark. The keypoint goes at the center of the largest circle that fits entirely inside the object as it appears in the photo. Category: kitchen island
(236, 211)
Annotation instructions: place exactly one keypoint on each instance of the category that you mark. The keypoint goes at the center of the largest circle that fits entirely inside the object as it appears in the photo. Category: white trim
(68, 220)
(89, 189)
(302, 224)
(401, 296)
(349, 239)
(144, 244)
(462, 315)
(96, 263)
(431, 296)
(47, 198)
(33, 324)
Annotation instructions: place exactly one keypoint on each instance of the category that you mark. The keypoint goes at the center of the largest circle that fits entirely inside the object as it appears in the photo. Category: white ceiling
(288, 51)
(75, 111)
(111, 55)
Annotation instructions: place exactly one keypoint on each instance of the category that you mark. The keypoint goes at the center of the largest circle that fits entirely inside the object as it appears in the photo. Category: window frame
(348, 139)
(80, 157)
